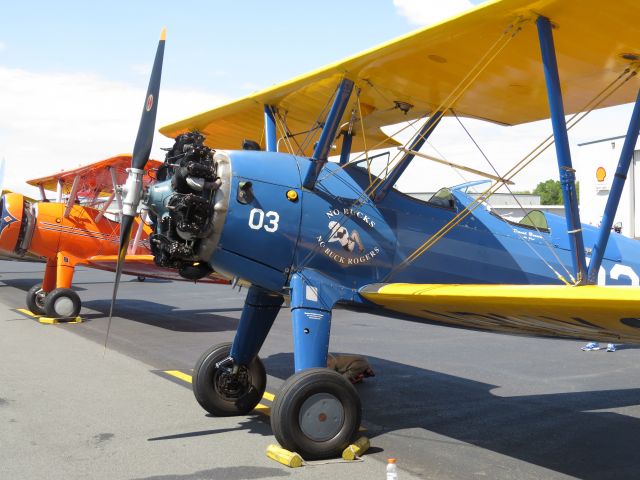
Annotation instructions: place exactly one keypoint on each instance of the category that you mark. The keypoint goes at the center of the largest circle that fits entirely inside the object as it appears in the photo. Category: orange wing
(95, 177)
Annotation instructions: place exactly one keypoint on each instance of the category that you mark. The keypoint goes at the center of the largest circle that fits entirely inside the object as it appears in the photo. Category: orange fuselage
(44, 231)
(79, 234)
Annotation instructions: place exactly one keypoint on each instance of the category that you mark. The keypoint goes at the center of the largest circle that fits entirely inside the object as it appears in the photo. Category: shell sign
(601, 174)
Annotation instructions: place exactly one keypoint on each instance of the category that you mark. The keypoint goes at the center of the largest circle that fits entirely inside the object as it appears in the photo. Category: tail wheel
(317, 414)
(62, 303)
(35, 299)
(224, 392)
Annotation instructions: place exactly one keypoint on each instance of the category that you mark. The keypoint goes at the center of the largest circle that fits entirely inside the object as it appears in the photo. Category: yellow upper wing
(592, 39)
(587, 312)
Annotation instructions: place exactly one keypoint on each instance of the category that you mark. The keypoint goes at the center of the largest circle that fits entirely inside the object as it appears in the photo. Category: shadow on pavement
(168, 317)
(256, 424)
(563, 432)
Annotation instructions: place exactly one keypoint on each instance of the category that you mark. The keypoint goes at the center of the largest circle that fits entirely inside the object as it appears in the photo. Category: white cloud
(53, 121)
(250, 86)
(426, 12)
(143, 69)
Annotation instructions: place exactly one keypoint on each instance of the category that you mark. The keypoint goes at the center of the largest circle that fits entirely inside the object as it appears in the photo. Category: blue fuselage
(337, 230)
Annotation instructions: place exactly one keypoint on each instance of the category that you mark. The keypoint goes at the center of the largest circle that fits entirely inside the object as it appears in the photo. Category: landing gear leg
(317, 412)
(229, 379)
(62, 302)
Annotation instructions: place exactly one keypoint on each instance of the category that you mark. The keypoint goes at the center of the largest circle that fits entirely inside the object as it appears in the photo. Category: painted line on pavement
(261, 408)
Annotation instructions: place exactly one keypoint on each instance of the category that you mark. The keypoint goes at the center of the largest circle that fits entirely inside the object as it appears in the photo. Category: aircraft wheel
(141, 278)
(317, 414)
(224, 393)
(35, 299)
(62, 303)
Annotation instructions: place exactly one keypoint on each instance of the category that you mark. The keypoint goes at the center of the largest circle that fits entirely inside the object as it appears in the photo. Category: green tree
(550, 192)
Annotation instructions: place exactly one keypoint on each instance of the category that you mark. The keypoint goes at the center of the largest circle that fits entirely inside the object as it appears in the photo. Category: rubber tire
(32, 303)
(57, 294)
(285, 413)
(141, 278)
(210, 399)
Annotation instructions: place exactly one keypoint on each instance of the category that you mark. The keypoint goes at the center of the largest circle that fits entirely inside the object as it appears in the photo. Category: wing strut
(72, 196)
(347, 139)
(116, 191)
(270, 134)
(43, 195)
(59, 186)
(105, 206)
(133, 249)
(328, 134)
(418, 141)
(567, 172)
(616, 192)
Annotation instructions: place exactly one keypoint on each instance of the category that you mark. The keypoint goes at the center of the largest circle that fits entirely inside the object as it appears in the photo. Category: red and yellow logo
(149, 104)
(601, 174)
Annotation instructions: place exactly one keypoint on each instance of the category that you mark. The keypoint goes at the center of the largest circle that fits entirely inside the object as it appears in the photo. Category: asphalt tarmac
(447, 403)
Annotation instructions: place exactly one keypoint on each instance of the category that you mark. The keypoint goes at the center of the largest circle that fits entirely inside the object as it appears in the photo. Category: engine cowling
(14, 223)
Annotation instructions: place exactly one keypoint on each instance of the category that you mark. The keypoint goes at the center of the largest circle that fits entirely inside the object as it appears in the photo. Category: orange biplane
(75, 229)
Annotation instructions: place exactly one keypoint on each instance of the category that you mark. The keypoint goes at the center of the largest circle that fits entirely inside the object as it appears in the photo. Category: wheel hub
(321, 417)
(232, 385)
(40, 297)
(63, 307)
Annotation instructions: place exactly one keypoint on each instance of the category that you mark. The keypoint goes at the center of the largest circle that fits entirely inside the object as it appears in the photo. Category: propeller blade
(144, 139)
(126, 225)
(140, 156)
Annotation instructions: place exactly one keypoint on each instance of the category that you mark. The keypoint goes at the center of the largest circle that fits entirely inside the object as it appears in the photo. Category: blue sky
(222, 46)
(210, 44)
(73, 74)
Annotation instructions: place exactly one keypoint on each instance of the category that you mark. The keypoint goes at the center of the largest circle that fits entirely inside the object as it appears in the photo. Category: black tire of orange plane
(215, 389)
(35, 302)
(62, 303)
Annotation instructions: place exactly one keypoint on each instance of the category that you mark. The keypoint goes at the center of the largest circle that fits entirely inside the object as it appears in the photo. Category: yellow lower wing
(587, 312)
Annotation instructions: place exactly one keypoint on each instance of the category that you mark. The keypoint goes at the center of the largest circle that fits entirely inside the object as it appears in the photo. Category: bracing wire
(532, 155)
(551, 249)
(463, 85)
(493, 51)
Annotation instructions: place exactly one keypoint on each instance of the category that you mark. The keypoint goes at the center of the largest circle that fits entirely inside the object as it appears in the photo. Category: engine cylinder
(185, 212)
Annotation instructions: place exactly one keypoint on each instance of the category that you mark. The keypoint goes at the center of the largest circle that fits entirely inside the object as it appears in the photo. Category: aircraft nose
(3, 225)
(191, 203)
(11, 206)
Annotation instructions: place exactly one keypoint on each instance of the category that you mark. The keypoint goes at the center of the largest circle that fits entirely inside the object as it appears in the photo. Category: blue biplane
(268, 209)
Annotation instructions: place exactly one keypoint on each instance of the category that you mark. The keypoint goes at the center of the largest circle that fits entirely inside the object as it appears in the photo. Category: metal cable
(551, 249)
(574, 120)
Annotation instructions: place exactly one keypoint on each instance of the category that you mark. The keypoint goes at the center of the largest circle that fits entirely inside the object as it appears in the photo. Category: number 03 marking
(256, 220)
